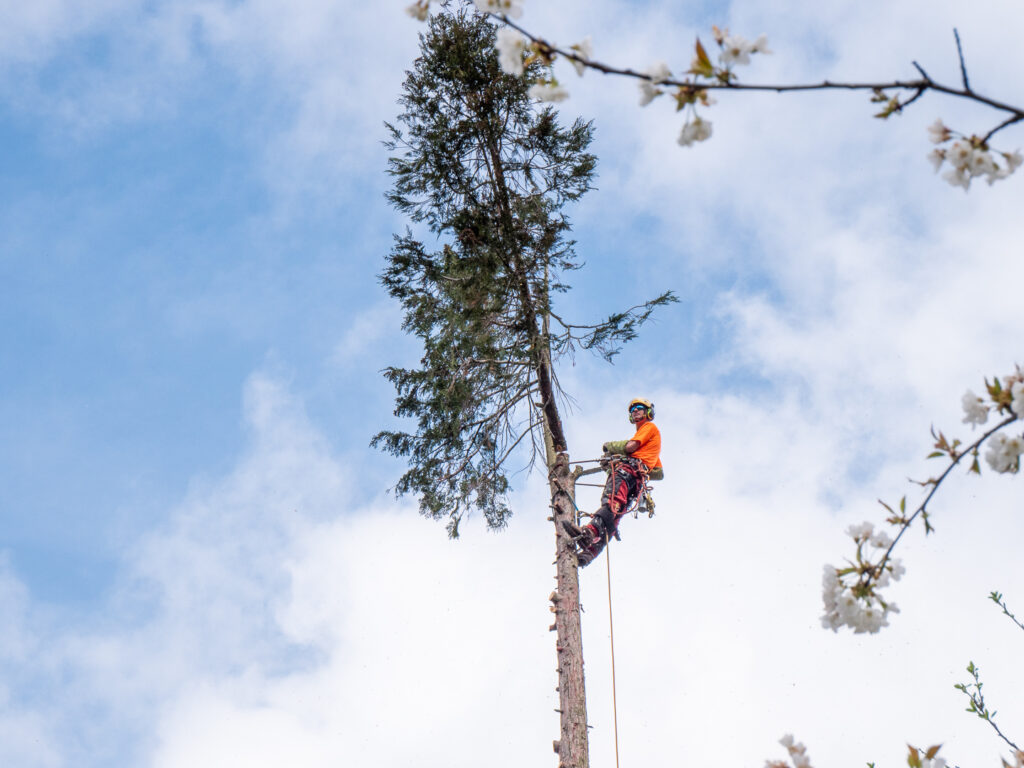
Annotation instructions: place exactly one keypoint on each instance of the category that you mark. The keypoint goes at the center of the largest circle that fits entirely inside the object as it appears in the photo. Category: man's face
(637, 414)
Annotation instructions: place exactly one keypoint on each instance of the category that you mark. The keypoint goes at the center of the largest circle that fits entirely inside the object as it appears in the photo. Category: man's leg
(587, 555)
(619, 492)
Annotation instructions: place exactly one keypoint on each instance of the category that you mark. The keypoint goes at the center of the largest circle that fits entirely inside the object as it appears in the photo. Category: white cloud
(267, 621)
(367, 330)
(314, 80)
(32, 31)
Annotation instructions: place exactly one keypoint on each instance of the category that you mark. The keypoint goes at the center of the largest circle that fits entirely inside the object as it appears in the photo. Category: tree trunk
(572, 747)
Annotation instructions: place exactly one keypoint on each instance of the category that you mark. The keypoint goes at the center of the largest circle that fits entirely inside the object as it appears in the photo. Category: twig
(960, 53)
(997, 598)
(1008, 121)
(906, 523)
(977, 703)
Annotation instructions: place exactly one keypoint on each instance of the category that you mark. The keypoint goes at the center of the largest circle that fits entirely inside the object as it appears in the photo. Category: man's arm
(618, 446)
(621, 446)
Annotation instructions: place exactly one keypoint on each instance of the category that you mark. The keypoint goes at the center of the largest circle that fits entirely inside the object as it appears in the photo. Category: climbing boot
(584, 536)
(587, 555)
(574, 531)
(598, 530)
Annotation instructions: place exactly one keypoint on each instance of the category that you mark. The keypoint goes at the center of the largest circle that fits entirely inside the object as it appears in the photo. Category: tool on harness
(646, 503)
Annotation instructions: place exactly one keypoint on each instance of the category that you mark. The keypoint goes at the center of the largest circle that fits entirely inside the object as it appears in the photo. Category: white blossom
(843, 608)
(735, 50)
(975, 410)
(1004, 453)
(510, 46)
(797, 751)
(511, 8)
(419, 10)
(1013, 160)
(1017, 404)
(958, 177)
(997, 174)
(697, 130)
(860, 532)
(658, 73)
(982, 163)
(648, 92)
(896, 568)
(969, 161)
(548, 91)
(938, 133)
(892, 571)
(937, 157)
(959, 154)
(880, 540)
(760, 45)
(585, 50)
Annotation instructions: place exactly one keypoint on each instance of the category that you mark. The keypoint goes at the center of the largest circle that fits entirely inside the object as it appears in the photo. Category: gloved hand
(615, 446)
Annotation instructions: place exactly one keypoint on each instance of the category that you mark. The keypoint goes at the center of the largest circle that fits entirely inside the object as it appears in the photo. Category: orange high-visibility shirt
(649, 438)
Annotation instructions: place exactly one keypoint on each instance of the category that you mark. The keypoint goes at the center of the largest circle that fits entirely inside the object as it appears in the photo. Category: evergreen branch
(514, 445)
(506, 407)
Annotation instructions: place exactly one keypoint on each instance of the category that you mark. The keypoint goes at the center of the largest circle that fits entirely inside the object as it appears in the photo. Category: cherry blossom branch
(956, 456)
(967, 157)
(852, 595)
(924, 84)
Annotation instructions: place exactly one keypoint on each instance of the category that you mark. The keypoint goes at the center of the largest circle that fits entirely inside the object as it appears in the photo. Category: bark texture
(573, 749)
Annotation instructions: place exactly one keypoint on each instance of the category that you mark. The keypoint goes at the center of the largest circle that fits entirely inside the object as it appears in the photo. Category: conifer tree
(475, 162)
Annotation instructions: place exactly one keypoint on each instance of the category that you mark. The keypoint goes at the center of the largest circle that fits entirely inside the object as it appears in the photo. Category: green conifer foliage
(477, 164)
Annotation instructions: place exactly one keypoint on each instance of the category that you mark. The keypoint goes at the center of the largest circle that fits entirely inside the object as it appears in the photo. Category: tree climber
(630, 464)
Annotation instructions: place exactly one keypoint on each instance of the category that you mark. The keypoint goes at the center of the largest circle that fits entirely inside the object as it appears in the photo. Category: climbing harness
(644, 500)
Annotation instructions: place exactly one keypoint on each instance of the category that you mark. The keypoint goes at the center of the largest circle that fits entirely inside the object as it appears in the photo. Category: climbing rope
(611, 633)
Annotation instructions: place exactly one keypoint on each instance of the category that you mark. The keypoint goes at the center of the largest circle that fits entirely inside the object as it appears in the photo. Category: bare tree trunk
(572, 747)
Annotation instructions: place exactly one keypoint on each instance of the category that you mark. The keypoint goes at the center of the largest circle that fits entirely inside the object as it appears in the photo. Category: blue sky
(200, 561)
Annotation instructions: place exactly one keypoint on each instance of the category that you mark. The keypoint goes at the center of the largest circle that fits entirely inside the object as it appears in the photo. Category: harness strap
(644, 492)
